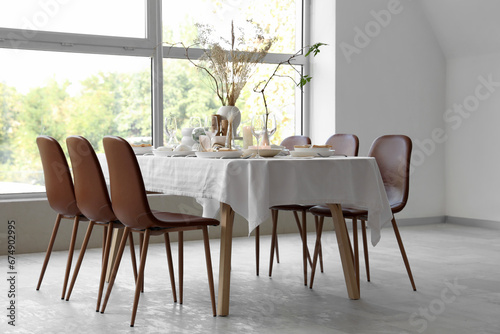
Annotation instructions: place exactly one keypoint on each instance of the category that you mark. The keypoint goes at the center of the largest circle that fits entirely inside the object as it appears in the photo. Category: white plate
(312, 149)
(142, 149)
(264, 152)
(311, 153)
(219, 154)
(171, 153)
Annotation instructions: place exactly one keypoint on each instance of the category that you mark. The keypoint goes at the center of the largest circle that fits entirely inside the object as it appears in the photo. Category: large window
(87, 68)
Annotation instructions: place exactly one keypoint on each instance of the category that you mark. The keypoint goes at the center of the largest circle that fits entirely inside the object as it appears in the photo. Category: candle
(247, 137)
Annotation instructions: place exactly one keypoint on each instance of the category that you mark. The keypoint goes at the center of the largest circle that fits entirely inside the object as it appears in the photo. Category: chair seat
(323, 210)
(171, 219)
(291, 207)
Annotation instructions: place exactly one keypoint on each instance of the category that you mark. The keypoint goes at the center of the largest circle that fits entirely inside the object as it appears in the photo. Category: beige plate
(266, 152)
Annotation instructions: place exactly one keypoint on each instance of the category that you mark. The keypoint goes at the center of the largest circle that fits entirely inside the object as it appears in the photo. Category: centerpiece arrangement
(303, 79)
(229, 63)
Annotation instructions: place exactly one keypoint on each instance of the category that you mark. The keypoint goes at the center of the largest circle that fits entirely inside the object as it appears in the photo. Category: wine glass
(194, 122)
(171, 130)
(258, 127)
(271, 126)
(211, 128)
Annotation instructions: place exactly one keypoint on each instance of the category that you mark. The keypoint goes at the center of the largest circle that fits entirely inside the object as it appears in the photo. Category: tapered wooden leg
(274, 240)
(365, 249)
(320, 248)
(304, 223)
(70, 255)
(49, 250)
(181, 267)
(141, 240)
(403, 253)
(304, 248)
(170, 266)
(226, 228)
(132, 255)
(257, 250)
(138, 285)
(345, 250)
(210, 274)
(108, 233)
(115, 242)
(356, 250)
(116, 265)
(104, 234)
(80, 258)
(319, 231)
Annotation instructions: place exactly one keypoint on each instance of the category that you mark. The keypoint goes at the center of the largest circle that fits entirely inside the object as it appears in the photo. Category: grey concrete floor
(456, 270)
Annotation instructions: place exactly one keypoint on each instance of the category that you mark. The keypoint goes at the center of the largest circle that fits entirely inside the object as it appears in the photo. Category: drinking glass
(211, 128)
(171, 130)
(271, 126)
(194, 122)
(258, 127)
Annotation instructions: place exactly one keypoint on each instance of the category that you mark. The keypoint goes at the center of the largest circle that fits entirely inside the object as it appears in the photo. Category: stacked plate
(312, 151)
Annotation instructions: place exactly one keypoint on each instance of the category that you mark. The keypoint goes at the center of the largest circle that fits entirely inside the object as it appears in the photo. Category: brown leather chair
(289, 144)
(61, 197)
(392, 153)
(130, 204)
(343, 144)
(93, 200)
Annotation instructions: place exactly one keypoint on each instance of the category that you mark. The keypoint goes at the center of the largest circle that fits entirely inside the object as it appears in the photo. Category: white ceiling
(465, 27)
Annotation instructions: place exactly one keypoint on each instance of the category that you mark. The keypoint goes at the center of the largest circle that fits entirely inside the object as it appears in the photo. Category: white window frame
(142, 47)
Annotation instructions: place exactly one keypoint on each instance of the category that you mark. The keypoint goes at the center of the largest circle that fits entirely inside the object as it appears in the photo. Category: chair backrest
(392, 153)
(58, 181)
(128, 194)
(346, 144)
(290, 142)
(90, 187)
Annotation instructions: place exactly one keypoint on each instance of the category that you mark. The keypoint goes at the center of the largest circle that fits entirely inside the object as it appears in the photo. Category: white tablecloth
(251, 186)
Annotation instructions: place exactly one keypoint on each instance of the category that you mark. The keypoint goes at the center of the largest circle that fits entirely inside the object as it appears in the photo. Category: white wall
(472, 178)
(390, 82)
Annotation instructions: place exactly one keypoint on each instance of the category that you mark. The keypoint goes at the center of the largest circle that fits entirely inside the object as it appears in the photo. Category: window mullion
(154, 30)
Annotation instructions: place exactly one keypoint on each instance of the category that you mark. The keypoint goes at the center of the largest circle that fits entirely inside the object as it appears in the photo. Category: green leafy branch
(304, 79)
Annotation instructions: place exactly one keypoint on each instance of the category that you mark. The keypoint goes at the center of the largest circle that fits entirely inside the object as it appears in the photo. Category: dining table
(249, 187)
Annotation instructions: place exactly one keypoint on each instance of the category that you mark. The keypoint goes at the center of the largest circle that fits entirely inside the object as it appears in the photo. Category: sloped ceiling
(465, 27)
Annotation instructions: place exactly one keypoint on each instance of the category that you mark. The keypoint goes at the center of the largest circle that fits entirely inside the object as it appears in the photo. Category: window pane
(187, 93)
(124, 18)
(278, 18)
(62, 94)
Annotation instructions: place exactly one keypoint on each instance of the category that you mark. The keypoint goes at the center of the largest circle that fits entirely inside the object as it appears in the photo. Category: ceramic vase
(225, 111)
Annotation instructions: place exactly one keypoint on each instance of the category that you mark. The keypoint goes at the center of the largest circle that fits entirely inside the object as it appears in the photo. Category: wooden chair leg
(257, 250)
(70, 255)
(403, 253)
(104, 234)
(305, 250)
(118, 259)
(356, 249)
(140, 278)
(319, 231)
(170, 266)
(108, 233)
(49, 250)
(210, 274)
(80, 258)
(365, 249)
(276, 246)
(132, 253)
(181, 267)
(320, 247)
(274, 239)
(141, 240)
(304, 223)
